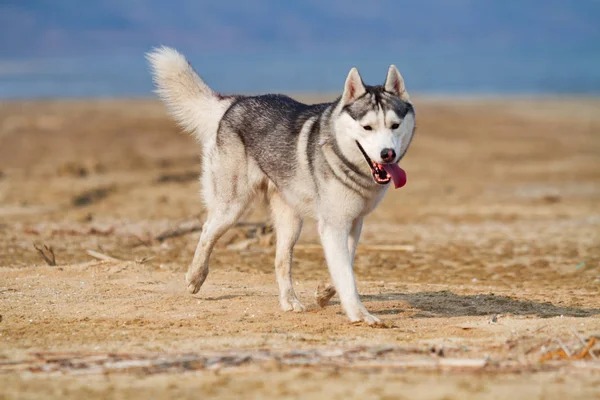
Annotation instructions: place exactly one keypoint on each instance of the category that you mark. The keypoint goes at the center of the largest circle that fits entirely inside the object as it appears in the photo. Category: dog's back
(270, 127)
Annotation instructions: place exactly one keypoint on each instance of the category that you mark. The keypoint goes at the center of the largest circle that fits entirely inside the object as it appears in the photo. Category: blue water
(439, 71)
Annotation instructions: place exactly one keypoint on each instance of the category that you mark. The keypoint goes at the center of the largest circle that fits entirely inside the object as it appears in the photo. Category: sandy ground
(488, 260)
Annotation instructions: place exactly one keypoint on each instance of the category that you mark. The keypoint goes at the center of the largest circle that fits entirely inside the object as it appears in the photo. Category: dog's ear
(395, 84)
(354, 87)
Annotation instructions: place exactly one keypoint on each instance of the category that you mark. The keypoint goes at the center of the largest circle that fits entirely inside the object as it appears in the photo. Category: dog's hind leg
(220, 219)
(226, 192)
(225, 203)
(287, 228)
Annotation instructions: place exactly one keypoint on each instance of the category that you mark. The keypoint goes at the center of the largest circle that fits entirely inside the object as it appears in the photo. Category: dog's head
(379, 119)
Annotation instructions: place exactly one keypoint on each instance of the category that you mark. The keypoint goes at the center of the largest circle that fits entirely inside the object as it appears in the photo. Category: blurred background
(491, 251)
(74, 48)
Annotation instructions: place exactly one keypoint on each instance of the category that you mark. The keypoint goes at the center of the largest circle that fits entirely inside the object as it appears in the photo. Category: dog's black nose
(388, 155)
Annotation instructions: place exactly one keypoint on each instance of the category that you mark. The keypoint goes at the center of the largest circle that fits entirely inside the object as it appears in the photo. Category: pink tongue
(398, 175)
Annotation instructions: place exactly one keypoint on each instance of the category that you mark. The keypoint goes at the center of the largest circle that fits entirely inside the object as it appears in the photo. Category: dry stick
(151, 365)
(564, 348)
(48, 253)
(141, 241)
(539, 329)
(101, 256)
(179, 231)
(144, 259)
(550, 356)
(563, 354)
(187, 227)
(589, 350)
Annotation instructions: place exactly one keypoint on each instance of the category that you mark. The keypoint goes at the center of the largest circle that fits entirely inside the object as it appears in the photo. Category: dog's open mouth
(384, 173)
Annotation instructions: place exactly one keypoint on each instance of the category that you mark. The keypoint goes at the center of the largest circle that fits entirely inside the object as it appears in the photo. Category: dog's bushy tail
(190, 101)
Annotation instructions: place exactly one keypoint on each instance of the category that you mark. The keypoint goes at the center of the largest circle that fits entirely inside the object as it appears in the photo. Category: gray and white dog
(332, 162)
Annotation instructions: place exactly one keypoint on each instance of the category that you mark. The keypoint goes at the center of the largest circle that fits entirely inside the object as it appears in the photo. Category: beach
(486, 264)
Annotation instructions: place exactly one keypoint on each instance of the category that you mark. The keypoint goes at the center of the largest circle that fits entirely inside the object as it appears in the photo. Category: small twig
(551, 355)
(179, 231)
(494, 319)
(582, 340)
(565, 354)
(539, 329)
(563, 347)
(48, 253)
(142, 241)
(97, 231)
(194, 226)
(178, 177)
(101, 256)
(587, 350)
(144, 259)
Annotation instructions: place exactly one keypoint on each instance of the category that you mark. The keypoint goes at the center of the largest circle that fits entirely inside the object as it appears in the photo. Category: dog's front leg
(334, 237)
(354, 237)
(324, 293)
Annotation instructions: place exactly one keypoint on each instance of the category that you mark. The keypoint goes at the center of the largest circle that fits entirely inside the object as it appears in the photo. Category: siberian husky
(332, 162)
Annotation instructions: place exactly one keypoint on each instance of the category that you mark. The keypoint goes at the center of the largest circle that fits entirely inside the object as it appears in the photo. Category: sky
(96, 48)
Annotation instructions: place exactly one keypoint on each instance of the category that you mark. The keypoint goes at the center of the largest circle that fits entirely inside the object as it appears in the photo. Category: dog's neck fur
(342, 153)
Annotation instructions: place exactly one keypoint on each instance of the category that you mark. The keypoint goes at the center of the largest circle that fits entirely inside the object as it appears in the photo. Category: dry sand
(500, 217)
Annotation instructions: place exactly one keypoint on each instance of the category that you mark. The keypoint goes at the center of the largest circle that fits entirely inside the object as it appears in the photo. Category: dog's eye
(368, 128)
(395, 126)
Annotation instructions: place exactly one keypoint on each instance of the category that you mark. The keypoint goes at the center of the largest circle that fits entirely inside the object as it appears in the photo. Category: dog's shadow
(447, 304)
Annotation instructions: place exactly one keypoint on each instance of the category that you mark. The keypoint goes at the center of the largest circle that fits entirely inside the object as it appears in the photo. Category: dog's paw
(193, 289)
(371, 323)
(370, 319)
(324, 294)
(194, 282)
(292, 305)
(361, 315)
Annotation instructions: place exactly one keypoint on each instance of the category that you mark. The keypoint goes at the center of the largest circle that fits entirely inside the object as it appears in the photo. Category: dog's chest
(342, 203)
(371, 203)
